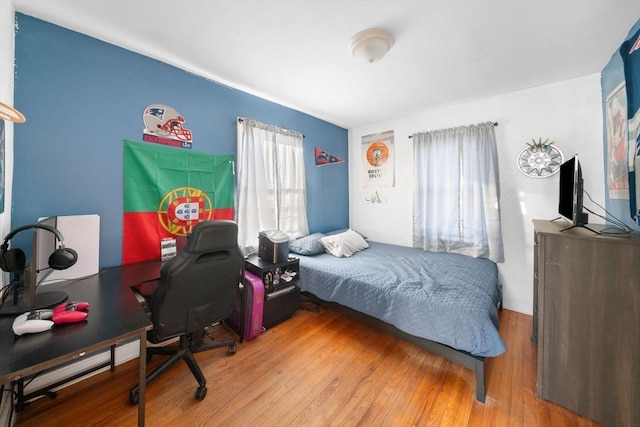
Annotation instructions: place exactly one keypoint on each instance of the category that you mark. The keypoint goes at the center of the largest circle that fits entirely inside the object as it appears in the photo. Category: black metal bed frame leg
(20, 395)
(480, 382)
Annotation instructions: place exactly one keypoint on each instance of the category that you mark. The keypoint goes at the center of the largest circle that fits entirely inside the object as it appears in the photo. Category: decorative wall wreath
(540, 159)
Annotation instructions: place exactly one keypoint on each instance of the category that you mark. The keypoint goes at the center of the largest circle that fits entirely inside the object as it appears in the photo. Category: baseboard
(524, 307)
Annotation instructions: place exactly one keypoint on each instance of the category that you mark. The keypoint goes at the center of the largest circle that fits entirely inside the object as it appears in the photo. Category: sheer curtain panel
(457, 192)
(271, 182)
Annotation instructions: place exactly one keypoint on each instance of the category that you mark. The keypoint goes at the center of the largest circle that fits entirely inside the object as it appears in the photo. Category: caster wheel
(232, 349)
(133, 399)
(201, 393)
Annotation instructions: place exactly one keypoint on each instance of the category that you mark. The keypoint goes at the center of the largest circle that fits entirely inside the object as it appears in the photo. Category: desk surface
(115, 315)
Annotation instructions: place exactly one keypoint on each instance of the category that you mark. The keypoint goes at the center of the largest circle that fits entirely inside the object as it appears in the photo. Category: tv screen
(570, 196)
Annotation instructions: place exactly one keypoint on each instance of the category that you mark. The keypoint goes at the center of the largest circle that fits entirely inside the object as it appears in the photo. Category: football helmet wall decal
(164, 121)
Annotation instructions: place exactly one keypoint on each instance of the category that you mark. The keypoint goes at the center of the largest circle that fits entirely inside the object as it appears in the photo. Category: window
(457, 192)
(271, 182)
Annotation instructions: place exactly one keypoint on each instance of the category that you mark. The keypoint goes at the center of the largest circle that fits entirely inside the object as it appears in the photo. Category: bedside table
(281, 291)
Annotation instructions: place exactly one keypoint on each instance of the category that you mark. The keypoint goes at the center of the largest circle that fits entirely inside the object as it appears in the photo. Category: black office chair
(197, 288)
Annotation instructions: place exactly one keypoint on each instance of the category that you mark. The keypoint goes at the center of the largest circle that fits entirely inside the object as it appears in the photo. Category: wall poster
(164, 125)
(378, 154)
(617, 147)
(630, 52)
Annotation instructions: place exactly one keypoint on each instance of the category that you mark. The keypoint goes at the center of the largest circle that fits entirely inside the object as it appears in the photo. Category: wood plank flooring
(320, 368)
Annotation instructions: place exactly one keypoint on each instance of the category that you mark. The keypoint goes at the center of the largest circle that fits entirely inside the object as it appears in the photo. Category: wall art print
(378, 154)
(618, 154)
(163, 125)
(630, 53)
(540, 159)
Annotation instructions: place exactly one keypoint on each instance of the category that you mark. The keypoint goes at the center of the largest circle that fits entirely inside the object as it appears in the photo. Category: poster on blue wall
(630, 52)
(163, 125)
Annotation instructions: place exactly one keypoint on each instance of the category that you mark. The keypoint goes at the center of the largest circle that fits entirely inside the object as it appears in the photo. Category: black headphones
(13, 260)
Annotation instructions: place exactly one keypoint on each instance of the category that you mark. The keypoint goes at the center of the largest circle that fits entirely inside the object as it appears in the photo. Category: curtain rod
(494, 123)
(240, 120)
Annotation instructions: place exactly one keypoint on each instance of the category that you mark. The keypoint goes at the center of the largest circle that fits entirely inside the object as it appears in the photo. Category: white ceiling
(296, 52)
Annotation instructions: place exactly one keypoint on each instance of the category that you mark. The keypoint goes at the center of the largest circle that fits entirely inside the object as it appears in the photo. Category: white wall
(568, 113)
(7, 41)
(6, 96)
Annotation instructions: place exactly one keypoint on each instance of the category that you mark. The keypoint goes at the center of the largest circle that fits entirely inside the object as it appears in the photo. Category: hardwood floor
(319, 368)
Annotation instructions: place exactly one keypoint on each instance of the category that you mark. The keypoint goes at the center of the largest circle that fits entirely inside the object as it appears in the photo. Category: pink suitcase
(246, 317)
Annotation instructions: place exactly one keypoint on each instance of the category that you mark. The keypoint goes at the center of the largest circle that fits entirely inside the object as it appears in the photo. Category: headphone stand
(46, 299)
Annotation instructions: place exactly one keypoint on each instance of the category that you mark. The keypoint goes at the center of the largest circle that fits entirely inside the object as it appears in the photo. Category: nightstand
(281, 291)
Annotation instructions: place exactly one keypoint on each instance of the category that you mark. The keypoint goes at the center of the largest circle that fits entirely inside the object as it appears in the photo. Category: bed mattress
(448, 298)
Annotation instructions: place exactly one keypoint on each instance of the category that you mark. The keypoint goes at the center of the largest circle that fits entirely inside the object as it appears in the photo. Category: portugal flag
(167, 191)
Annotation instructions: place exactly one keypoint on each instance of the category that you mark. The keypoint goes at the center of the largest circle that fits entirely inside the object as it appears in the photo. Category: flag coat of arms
(167, 191)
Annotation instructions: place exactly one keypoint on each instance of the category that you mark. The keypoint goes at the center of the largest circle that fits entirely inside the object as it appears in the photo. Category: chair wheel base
(232, 349)
(201, 393)
(133, 399)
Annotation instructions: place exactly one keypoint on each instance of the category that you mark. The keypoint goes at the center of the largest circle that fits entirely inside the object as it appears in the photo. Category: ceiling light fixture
(371, 45)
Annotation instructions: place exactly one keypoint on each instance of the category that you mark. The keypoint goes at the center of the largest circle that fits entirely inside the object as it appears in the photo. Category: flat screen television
(571, 190)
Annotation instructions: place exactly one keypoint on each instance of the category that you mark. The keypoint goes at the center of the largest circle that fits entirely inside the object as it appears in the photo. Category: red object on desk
(70, 312)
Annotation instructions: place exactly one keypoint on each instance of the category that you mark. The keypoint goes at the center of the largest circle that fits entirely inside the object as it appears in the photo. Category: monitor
(570, 203)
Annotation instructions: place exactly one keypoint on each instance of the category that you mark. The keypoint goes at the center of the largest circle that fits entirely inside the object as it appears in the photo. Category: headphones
(13, 260)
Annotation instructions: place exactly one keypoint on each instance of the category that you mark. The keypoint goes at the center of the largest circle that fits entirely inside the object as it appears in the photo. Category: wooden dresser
(587, 322)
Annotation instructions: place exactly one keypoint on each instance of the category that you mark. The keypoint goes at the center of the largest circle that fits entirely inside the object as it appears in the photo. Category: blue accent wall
(82, 97)
(611, 77)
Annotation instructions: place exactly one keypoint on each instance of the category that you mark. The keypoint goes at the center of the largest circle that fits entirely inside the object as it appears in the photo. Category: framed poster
(378, 154)
(617, 145)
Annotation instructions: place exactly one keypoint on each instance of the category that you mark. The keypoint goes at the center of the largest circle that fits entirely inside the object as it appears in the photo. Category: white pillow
(344, 244)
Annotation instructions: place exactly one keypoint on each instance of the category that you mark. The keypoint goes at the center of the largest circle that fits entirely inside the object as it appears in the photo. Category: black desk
(115, 315)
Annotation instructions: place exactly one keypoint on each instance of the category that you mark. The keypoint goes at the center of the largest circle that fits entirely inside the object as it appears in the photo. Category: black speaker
(13, 260)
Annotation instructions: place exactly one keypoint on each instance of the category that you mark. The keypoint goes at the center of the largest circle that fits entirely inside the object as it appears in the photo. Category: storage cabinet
(587, 322)
(282, 294)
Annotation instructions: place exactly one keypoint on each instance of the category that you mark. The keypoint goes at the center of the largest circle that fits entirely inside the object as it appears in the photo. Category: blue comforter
(448, 298)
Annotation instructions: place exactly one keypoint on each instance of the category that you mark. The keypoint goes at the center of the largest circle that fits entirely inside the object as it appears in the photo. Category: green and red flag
(167, 191)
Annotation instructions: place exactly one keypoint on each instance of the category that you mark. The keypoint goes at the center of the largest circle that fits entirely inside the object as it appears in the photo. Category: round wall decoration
(540, 159)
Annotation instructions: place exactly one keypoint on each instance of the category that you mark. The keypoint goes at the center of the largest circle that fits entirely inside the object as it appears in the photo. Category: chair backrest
(198, 286)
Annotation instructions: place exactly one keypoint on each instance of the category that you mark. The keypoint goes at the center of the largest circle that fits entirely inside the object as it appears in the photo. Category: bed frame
(468, 360)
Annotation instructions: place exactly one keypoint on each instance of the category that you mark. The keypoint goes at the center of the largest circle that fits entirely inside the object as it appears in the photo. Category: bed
(446, 303)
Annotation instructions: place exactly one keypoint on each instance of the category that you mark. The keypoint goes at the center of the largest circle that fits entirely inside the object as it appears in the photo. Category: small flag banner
(323, 158)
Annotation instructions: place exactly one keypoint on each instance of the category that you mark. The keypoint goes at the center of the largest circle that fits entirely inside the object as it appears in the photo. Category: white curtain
(271, 183)
(457, 192)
